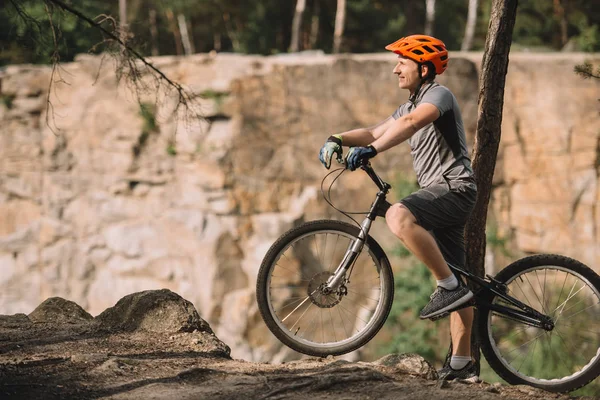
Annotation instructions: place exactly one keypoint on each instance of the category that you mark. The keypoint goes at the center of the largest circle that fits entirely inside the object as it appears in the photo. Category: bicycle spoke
(356, 315)
(561, 292)
(343, 324)
(576, 304)
(529, 341)
(310, 323)
(522, 291)
(536, 296)
(579, 328)
(294, 310)
(365, 297)
(564, 303)
(333, 255)
(305, 311)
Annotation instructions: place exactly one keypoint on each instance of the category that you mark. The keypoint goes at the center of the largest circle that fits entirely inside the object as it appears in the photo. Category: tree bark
(487, 138)
(559, 10)
(175, 30)
(153, 31)
(297, 25)
(123, 27)
(188, 44)
(429, 16)
(231, 32)
(470, 28)
(340, 19)
(314, 25)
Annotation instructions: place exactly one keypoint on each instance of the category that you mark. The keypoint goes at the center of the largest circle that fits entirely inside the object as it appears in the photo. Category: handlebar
(383, 186)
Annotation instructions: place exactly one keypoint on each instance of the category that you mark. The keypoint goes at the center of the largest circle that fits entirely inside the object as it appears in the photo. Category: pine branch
(586, 71)
(132, 51)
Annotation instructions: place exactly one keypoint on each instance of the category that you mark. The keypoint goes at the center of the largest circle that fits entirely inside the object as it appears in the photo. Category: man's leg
(423, 245)
(461, 322)
(418, 240)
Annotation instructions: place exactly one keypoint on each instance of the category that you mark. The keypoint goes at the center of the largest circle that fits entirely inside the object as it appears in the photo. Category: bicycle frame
(522, 313)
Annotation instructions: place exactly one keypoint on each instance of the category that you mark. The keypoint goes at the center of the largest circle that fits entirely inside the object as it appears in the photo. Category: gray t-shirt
(439, 149)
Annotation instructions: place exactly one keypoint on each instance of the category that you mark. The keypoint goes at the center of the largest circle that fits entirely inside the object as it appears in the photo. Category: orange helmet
(422, 48)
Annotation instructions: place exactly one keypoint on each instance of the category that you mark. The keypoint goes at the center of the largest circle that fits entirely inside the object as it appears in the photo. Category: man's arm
(404, 127)
(366, 136)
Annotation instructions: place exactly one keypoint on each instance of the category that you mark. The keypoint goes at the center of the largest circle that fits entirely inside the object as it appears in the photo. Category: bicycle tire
(526, 269)
(273, 321)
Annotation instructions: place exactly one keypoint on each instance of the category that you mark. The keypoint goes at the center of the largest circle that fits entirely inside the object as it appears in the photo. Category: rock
(57, 310)
(14, 321)
(152, 311)
(409, 363)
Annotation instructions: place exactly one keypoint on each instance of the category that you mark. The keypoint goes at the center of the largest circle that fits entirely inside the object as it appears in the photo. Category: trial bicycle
(326, 288)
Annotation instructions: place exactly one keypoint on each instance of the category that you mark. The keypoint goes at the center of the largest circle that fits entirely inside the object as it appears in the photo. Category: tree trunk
(487, 138)
(559, 11)
(153, 31)
(217, 41)
(429, 16)
(297, 25)
(340, 18)
(470, 28)
(314, 25)
(175, 30)
(188, 44)
(231, 33)
(123, 20)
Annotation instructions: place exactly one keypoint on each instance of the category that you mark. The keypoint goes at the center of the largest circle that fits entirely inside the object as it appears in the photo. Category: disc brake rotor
(316, 291)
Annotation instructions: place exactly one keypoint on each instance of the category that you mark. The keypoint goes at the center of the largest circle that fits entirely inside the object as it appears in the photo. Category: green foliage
(148, 114)
(495, 241)
(30, 41)
(171, 149)
(264, 26)
(7, 100)
(404, 185)
(413, 286)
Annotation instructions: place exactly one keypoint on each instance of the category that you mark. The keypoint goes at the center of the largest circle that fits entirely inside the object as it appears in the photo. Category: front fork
(354, 249)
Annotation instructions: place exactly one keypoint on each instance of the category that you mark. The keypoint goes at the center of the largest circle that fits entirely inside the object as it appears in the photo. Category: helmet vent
(440, 48)
(423, 40)
(429, 49)
(417, 51)
(443, 58)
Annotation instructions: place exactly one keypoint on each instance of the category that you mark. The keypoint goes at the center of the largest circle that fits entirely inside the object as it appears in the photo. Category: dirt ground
(76, 362)
(59, 351)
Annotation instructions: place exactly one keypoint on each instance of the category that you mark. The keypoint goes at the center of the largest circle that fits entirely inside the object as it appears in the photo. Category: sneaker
(442, 301)
(468, 373)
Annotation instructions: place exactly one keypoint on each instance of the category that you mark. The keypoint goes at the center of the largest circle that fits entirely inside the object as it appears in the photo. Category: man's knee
(400, 220)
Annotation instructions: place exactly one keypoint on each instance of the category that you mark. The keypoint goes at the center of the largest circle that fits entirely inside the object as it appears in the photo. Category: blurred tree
(340, 20)
(429, 16)
(297, 25)
(268, 26)
(470, 28)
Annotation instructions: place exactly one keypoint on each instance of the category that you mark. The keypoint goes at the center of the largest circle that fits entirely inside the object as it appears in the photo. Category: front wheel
(297, 308)
(562, 359)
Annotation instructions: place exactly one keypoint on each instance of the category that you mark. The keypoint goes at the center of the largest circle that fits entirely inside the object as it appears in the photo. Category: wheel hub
(320, 295)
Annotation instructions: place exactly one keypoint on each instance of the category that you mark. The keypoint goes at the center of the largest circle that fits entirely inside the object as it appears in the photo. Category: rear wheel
(563, 359)
(296, 307)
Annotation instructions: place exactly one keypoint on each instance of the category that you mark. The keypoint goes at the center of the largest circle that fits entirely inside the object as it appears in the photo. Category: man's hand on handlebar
(358, 156)
(331, 147)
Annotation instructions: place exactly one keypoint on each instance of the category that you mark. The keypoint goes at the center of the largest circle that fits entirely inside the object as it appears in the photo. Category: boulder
(59, 311)
(409, 363)
(159, 311)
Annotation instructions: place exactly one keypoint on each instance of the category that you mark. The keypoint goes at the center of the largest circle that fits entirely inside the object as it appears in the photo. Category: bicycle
(345, 289)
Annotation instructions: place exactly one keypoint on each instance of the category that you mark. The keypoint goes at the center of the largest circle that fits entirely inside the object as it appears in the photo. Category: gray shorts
(444, 211)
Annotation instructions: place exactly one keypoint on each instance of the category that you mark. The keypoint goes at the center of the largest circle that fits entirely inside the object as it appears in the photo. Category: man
(430, 222)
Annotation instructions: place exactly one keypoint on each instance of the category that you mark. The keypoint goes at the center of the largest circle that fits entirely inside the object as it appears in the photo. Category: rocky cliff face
(125, 199)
